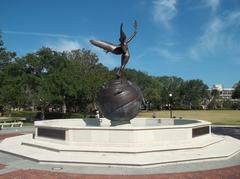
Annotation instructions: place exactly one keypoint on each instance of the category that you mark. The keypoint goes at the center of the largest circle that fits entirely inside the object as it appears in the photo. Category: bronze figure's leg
(124, 60)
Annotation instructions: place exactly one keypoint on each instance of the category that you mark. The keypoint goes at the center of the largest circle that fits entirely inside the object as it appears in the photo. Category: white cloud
(107, 59)
(208, 41)
(213, 4)
(169, 55)
(64, 42)
(233, 18)
(219, 38)
(164, 11)
(163, 53)
(169, 43)
(38, 34)
(64, 45)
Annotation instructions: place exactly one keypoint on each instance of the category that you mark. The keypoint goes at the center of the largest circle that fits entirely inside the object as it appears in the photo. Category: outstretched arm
(134, 33)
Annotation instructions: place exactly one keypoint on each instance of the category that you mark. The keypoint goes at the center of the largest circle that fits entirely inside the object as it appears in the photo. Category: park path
(226, 173)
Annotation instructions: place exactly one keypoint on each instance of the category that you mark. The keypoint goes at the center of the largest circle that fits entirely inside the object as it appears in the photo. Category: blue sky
(191, 39)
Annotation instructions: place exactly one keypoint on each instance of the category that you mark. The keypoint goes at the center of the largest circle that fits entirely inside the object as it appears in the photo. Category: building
(225, 93)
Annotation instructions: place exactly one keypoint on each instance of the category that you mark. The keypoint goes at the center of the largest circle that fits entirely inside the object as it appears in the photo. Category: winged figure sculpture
(119, 49)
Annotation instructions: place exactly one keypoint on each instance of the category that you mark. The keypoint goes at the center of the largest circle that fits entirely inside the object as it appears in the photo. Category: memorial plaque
(52, 133)
(200, 131)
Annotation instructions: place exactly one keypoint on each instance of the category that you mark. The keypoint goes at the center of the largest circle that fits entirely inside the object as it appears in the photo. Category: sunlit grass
(227, 117)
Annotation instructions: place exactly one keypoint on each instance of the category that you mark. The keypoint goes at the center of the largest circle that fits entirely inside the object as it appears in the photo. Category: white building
(225, 93)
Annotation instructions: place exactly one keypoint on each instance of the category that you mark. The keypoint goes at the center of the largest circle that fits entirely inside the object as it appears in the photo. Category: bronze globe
(119, 101)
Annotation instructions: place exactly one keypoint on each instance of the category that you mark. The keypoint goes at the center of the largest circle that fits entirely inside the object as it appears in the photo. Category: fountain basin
(141, 132)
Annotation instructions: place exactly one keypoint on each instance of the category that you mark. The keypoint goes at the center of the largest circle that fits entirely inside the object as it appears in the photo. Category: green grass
(226, 117)
(25, 124)
(23, 113)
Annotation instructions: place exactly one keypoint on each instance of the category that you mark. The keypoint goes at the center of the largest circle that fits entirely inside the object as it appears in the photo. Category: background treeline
(70, 81)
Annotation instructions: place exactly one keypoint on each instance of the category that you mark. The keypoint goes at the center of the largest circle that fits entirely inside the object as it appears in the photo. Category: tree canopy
(71, 81)
(236, 92)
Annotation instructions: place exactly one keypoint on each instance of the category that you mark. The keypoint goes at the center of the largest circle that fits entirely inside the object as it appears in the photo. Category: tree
(193, 93)
(213, 102)
(73, 79)
(6, 60)
(171, 85)
(34, 86)
(70, 79)
(236, 92)
(89, 77)
(6, 56)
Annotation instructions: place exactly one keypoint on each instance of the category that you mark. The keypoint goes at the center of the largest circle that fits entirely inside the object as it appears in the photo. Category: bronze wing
(122, 37)
(107, 46)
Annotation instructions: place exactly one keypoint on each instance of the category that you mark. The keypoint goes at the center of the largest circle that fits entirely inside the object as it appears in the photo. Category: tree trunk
(42, 113)
(33, 105)
(190, 106)
(64, 107)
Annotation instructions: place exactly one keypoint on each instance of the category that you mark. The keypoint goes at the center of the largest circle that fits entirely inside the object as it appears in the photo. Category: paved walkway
(22, 130)
(2, 166)
(226, 173)
(16, 167)
(3, 136)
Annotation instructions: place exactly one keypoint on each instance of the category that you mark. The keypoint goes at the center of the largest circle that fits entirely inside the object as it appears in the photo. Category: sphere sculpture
(119, 101)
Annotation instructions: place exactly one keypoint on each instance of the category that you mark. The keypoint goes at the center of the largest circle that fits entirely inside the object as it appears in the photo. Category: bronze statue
(120, 49)
(119, 100)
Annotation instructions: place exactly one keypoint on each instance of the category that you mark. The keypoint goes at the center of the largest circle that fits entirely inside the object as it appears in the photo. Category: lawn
(227, 117)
